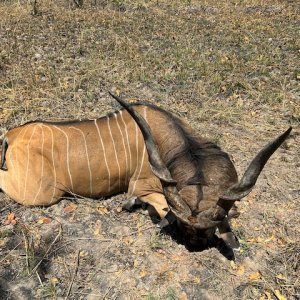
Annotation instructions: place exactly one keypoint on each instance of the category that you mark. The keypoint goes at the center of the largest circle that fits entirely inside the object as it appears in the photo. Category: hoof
(132, 203)
(167, 220)
(230, 239)
(163, 223)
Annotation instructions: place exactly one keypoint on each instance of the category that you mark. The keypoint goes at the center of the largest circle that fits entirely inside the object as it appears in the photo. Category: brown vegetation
(231, 69)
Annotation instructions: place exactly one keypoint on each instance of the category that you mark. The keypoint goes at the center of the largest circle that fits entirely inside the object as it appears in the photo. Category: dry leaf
(176, 257)
(70, 208)
(161, 251)
(102, 210)
(255, 276)
(279, 295)
(268, 294)
(183, 296)
(136, 263)
(128, 240)
(271, 238)
(97, 231)
(83, 253)
(240, 270)
(281, 276)
(233, 265)
(260, 240)
(196, 280)
(10, 219)
(143, 273)
(54, 280)
(164, 268)
(256, 240)
(98, 228)
(170, 275)
(44, 220)
(119, 209)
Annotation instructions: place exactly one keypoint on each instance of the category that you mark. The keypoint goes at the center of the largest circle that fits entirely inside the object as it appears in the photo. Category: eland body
(142, 150)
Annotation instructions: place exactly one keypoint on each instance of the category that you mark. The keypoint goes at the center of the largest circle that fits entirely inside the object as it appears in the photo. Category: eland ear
(247, 182)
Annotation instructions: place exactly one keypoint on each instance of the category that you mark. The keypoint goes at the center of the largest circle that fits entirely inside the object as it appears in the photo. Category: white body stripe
(42, 173)
(25, 130)
(27, 166)
(137, 145)
(139, 174)
(53, 162)
(127, 139)
(126, 159)
(105, 160)
(116, 155)
(68, 158)
(88, 159)
(142, 161)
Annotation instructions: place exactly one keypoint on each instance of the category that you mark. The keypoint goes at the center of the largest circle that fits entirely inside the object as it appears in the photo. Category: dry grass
(231, 69)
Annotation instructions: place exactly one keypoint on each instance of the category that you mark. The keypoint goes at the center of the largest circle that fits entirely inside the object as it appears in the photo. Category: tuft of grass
(170, 295)
(150, 296)
(285, 268)
(156, 241)
(217, 139)
(49, 288)
(4, 233)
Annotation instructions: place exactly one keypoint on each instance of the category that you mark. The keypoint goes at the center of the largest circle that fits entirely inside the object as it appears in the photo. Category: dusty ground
(231, 69)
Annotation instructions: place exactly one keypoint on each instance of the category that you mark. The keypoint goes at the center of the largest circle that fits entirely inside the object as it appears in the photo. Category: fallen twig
(111, 286)
(140, 230)
(39, 278)
(74, 274)
(26, 252)
(46, 253)
(9, 253)
(91, 239)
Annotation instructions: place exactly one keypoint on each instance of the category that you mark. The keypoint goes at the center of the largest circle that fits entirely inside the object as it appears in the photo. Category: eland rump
(143, 150)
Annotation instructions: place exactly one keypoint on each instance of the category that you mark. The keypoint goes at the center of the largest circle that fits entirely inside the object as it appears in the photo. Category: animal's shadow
(214, 242)
(175, 233)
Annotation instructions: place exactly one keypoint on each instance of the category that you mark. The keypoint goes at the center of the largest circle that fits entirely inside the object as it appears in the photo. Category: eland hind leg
(38, 192)
(30, 188)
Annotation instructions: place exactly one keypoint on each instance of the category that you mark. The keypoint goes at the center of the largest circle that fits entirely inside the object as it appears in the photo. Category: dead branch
(74, 274)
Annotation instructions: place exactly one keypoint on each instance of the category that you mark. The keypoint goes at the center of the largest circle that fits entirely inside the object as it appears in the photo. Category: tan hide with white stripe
(91, 158)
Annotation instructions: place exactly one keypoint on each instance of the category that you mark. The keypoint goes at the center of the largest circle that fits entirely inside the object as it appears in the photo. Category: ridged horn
(178, 206)
(247, 182)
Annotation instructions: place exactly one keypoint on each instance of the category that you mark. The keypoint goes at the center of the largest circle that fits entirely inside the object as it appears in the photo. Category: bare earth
(231, 70)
